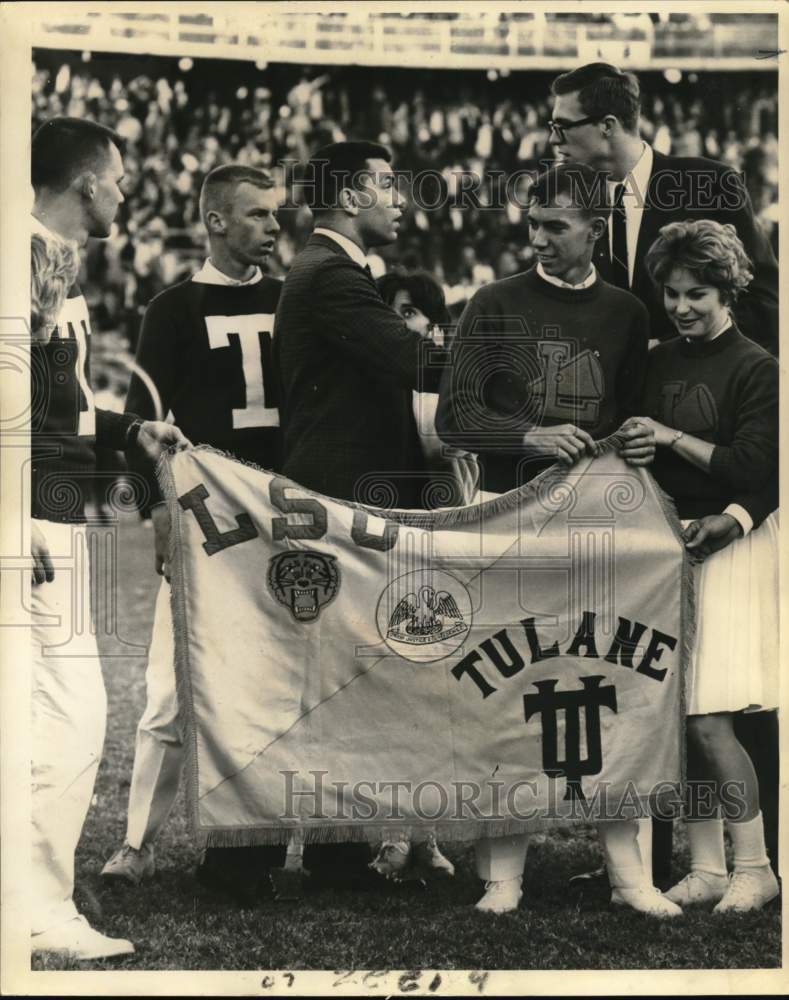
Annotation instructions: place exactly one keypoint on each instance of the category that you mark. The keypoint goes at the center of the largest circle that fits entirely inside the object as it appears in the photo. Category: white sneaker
(131, 865)
(645, 899)
(501, 897)
(698, 888)
(392, 858)
(749, 889)
(77, 939)
(428, 855)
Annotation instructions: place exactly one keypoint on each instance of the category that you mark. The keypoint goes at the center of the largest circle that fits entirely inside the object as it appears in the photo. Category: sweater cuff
(741, 516)
(112, 428)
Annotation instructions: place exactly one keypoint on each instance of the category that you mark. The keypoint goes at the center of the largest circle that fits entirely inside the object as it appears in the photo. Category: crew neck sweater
(207, 350)
(531, 354)
(65, 424)
(725, 392)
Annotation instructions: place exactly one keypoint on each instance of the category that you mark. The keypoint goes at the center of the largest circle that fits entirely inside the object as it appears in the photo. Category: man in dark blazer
(347, 365)
(595, 121)
(346, 361)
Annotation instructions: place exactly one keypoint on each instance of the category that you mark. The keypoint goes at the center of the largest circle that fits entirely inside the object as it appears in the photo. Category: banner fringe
(183, 687)
(442, 517)
(687, 621)
(453, 831)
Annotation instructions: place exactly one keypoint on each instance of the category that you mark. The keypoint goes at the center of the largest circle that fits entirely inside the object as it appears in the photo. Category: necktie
(619, 275)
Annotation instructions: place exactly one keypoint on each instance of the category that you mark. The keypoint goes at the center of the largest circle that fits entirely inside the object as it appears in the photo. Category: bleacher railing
(480, 40)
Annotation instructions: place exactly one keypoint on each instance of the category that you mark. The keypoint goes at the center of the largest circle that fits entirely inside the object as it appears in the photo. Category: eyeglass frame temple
(559, 129)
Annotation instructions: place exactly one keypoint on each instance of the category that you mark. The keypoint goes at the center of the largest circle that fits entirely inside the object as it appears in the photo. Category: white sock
(622, 857)
(707, 853)
(748, 840)
(644, 839)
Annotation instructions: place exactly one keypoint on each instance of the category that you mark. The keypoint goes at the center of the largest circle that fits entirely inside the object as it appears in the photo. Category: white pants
(69, 712)
(158, 752)
(501, 858)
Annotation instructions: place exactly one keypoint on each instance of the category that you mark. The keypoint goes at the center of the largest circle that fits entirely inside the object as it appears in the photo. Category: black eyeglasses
(560, 126)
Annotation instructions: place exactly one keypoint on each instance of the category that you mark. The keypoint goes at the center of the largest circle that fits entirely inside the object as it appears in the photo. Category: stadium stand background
(181, 116)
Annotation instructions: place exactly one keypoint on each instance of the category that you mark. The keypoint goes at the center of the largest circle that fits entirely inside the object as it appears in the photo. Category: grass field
(174, 925)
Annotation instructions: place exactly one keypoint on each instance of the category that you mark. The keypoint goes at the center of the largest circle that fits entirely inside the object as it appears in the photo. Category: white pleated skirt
(734, 665)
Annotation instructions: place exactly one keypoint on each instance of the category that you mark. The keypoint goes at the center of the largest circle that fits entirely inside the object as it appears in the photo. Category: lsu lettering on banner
(344, 671)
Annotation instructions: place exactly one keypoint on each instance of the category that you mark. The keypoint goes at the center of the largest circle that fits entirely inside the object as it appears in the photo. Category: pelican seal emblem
(426, 617)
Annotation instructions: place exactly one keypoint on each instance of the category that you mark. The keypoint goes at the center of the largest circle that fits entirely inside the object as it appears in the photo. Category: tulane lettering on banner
(622, 651)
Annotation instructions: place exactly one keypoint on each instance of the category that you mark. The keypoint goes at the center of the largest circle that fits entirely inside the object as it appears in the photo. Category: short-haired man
(205, 345)
(348, 364)
(595, 120)
(76, 168)
(563, 355)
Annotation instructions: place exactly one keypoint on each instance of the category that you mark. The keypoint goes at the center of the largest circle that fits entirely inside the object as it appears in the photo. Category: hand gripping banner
(346, 671)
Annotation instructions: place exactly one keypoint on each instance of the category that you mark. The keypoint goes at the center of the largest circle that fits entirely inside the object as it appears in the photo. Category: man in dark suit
(595, 121)
(348, 364)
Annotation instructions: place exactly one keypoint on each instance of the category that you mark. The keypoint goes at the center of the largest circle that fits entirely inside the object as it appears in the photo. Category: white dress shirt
(353, 250)
(634, 197)
(588, 281)
(209, 274)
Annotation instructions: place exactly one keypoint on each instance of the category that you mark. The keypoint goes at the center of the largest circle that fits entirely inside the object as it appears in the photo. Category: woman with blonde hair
(711, 401)
(54, 264)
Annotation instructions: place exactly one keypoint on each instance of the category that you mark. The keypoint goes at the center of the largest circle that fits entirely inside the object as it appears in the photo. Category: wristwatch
(677, 436)
(132, 433)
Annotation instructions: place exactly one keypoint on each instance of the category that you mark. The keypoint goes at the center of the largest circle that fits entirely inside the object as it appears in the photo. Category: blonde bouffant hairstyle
(54, 264)
(710, 250)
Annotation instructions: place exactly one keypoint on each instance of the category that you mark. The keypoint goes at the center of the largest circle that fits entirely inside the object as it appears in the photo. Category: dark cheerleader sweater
(724, 391)
(529, 353)
(207, 350)
(65, 424)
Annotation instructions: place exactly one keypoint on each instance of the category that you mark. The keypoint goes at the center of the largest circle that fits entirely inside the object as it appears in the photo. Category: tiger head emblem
(304, 582)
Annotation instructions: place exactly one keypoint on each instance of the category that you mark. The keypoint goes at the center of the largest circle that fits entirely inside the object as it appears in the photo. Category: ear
(349, 203)
(609, 123)
(597, 227)
(86, 184)
(214, 223)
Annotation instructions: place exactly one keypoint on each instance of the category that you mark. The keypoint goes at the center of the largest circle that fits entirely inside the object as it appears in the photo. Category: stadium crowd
(179, 124)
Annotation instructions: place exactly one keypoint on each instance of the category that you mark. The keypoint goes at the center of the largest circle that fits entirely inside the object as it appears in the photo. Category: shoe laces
(741, 883)
(127, 850)
(647, 890)
(497, 887)
(706, 879)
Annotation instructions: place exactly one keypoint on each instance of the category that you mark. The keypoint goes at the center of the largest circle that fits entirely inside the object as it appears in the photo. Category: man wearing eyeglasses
(595, 121)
